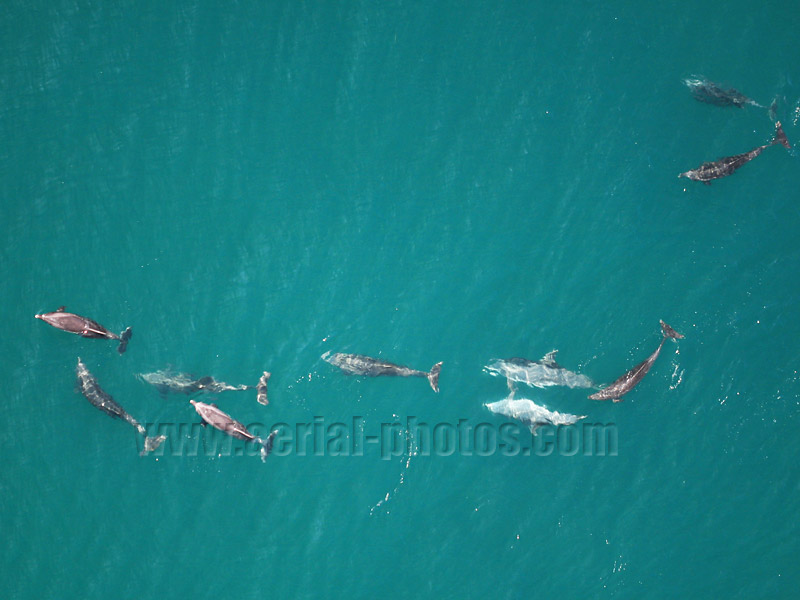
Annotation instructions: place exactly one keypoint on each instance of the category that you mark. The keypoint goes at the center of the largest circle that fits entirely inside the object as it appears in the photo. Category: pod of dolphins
(546, 373)
(542, 373)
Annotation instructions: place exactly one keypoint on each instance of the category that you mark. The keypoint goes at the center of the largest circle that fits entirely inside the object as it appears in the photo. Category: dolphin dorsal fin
(550, 358)
(61, 309)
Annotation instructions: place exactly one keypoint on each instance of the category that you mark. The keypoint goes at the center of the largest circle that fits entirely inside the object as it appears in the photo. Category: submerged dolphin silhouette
(707, 91)
(181, 383)
(88, 386)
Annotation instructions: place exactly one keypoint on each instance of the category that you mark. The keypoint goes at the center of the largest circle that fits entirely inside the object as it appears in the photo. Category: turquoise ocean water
(251, 185)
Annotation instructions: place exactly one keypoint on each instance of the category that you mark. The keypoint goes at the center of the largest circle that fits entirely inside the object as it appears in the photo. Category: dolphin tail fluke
(266, 445)
(152, 443)
(773, 109)
(261, 388)
(433, 377)
(669, 332)
(780, 136)
(123, 340)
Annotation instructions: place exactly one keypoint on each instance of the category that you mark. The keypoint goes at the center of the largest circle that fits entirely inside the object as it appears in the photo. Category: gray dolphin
(213, 416)
(628, 381)
(181, 383)
(538, 373)
(374, 367)
(726, 166)
(87, 384)
(83, 326)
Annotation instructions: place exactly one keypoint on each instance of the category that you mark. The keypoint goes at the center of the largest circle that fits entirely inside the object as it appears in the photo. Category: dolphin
(87, 384)
(373, 367)
(181, 383)
(628, 381)
(213, 416)
(84, 327)
(538, 373)
(708, 91)
(261, 388)
(530, 413)
(726, 166)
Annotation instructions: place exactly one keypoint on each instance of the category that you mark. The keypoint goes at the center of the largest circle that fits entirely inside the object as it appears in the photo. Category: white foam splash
(402, 479)
(677, 376)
